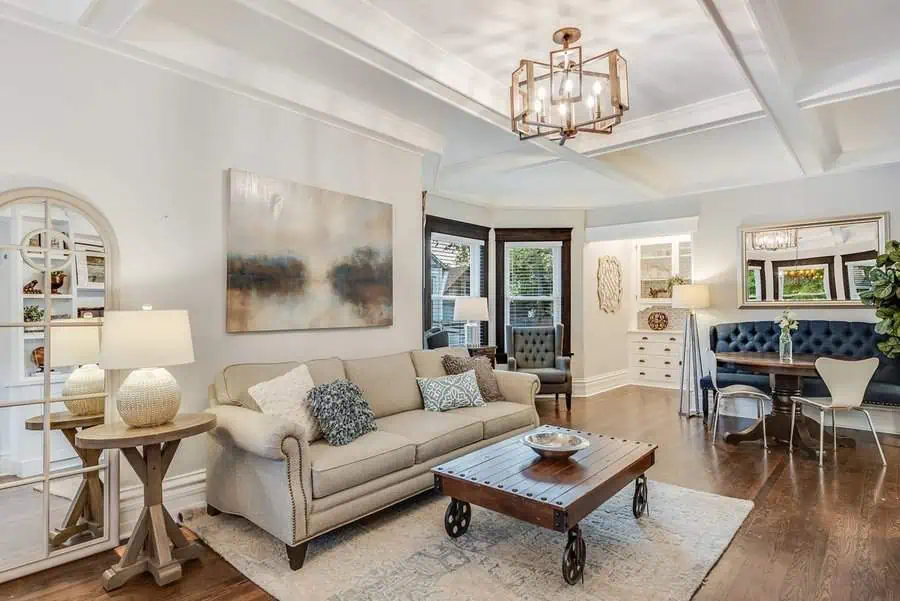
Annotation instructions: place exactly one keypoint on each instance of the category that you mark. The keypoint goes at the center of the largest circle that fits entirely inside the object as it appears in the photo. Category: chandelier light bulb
(562, 109)
(541, 93)
(598, 88)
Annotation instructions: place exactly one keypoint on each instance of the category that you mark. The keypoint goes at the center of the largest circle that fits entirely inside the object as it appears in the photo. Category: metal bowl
(555, 445)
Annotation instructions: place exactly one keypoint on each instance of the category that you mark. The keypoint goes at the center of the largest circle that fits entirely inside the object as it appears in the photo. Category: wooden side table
(148, 548)
(86, 510)
(484, 351)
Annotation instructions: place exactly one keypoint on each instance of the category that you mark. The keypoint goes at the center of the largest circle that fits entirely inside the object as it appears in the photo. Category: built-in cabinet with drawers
(654, 358)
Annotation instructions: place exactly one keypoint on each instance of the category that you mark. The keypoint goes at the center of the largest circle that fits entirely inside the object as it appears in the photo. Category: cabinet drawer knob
(668, 363)
(643, 374)
(641, 361)
(671, 339)
(640, 348)
(668, 350)
(644, 338)
(668, 375)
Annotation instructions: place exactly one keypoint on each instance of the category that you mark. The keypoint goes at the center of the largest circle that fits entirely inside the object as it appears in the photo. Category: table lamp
(146, 341)
(690, 297)
(74, 344)
(472, 310)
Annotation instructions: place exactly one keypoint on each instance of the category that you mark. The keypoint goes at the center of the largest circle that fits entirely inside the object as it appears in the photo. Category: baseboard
(180, 492)
(584, 387)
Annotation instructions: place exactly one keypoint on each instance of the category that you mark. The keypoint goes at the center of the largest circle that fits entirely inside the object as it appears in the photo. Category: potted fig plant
(885, 295)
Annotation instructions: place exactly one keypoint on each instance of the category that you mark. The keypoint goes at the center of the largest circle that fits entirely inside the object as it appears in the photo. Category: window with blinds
(533, 283)
(456, 270)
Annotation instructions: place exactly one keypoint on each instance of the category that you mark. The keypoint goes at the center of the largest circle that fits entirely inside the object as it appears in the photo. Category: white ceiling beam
(178, 52)
(702, 116)
(753, 31)
(109, 17)
(371, 35)
(850, 81)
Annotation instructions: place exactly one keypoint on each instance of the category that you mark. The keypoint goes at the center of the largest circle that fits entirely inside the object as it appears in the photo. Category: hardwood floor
(814, 534)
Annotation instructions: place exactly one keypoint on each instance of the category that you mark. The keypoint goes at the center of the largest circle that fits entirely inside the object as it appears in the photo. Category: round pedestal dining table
(787, 376)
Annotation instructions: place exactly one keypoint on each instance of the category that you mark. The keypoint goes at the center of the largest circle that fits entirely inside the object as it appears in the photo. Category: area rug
(404, 554)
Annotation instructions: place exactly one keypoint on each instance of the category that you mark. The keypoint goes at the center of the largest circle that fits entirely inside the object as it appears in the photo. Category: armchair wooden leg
(296, 555)
(557, 397)
(568, 401)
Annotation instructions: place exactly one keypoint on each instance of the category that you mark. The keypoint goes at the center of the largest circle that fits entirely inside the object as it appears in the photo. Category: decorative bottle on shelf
(785, 346)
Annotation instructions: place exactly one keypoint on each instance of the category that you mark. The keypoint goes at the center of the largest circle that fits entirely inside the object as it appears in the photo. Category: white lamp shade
(74, 344)
(470, 308)
(690, 296)
(133, 339)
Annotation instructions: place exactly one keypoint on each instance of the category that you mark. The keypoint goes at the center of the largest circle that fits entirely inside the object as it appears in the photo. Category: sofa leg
(568, 401)
(557, 397)
(212, 511)
(296, 555)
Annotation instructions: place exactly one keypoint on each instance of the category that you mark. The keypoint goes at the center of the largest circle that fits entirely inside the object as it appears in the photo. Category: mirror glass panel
(53, 274)
(821, 263)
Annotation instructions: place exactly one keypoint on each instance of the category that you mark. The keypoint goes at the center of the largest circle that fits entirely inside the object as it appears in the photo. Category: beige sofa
(262, 468)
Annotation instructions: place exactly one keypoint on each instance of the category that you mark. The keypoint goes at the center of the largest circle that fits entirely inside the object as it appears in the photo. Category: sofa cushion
(548, 375)
(287, 397)
(388, 383)
(434, 434)
(450, 392)
(368, 457)
(239, 377)
(341, 411)
(484, 373)
(428, 363)
(499, 417)
(326, 371)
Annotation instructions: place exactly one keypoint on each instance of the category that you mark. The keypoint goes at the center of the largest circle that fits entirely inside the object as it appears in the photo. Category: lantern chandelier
(568, 95)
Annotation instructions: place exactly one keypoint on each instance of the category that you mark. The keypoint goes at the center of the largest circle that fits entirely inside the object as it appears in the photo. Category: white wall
(150, 148)
(716, 240)
(599, 327)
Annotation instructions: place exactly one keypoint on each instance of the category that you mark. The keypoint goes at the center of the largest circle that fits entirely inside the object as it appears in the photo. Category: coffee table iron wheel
(458, 517)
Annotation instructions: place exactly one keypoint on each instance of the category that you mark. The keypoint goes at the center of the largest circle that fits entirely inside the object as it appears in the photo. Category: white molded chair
(847, 382)
(733, 392)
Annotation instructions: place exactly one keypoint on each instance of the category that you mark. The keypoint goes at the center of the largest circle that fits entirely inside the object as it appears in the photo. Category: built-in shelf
(41, 296)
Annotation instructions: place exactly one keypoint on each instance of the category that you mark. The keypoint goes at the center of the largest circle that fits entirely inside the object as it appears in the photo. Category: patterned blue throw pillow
(342, 412)
(451, 392)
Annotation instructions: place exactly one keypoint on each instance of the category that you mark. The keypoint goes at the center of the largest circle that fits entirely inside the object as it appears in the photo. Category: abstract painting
(304, 258)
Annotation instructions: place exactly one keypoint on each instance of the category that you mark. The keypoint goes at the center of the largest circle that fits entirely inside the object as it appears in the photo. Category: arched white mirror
(57, 255)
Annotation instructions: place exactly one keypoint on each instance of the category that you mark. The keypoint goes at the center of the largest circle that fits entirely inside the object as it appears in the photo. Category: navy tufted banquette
(840, 339)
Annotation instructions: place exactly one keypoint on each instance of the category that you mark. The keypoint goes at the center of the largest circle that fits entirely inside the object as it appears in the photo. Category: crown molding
(850, 81)
(109, 17)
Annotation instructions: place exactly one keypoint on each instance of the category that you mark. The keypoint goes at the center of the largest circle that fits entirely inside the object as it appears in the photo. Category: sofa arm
(255, 432)
(518, 387)
(565, 364)
(258, 466)
(512, 364)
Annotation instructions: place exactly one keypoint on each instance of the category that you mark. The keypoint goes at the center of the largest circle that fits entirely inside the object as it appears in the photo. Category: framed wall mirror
(56, 270)
(823, 263)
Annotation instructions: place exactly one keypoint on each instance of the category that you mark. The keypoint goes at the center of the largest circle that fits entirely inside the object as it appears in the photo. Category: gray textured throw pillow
(341, 411)
(450, 392)
(484, 373)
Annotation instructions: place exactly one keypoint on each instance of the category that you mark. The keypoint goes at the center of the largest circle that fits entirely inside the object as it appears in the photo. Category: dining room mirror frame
(108, 466)
(881, 220)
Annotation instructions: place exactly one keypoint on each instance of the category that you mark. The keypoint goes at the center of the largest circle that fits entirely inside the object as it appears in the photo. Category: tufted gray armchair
(538, 351)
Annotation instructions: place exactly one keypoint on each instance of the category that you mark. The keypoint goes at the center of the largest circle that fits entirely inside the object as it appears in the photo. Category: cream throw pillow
(287, 396)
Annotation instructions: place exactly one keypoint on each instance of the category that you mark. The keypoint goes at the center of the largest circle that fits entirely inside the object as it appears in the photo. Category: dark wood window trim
(827, 261)
(504, 235)
(863, 256)
(762, 276)
(462, 229)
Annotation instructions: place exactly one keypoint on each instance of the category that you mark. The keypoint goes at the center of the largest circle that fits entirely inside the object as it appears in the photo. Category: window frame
(452, 229)
(826, 262)
(504, 236)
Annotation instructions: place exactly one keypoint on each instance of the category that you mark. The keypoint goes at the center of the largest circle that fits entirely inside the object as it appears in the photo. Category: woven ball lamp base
(87, 379)
(148, 397)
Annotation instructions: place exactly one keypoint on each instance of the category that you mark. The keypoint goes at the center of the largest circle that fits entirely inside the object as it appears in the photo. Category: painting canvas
(303, 258)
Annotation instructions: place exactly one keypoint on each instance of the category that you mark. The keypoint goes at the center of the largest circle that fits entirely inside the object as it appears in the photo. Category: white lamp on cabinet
(76, 342)
(147, 341)
(690, 297)
(473, 310)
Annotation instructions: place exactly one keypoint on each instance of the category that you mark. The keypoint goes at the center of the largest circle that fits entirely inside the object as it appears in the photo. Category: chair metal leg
(716, 401)
(793, 419)
(875, 436)
(762, 412)
(821, 437)
(833, 431)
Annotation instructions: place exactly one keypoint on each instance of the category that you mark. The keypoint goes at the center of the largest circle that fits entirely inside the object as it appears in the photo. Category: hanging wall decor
(609, 283)
(303, 258)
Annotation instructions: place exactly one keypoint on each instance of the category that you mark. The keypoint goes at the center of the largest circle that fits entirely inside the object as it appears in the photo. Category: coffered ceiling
(724, 93)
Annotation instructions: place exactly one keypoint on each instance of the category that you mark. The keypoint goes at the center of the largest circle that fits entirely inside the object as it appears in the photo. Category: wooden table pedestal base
(157, 544)
(778, 423)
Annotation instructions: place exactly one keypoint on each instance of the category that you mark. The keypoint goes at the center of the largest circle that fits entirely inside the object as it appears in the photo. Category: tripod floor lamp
(690, 297)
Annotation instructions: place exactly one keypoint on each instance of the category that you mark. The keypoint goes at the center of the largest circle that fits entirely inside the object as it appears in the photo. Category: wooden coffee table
(510, 478)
